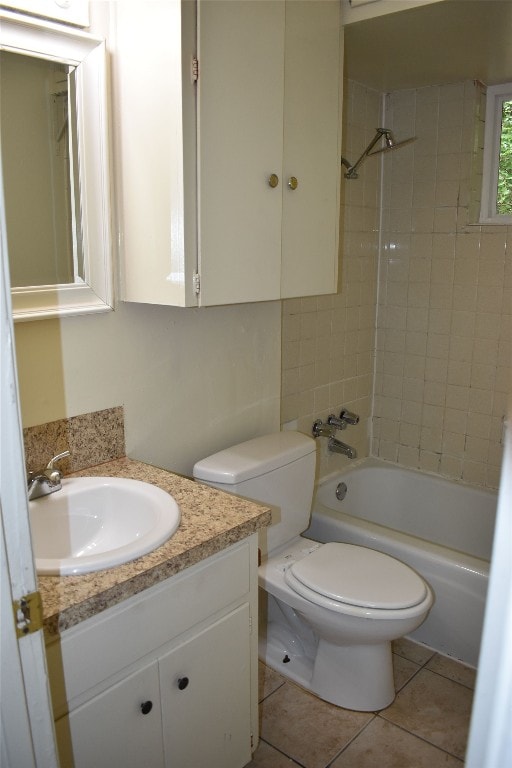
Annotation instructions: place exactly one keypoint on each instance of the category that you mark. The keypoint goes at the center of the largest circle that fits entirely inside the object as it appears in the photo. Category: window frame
(496, 95)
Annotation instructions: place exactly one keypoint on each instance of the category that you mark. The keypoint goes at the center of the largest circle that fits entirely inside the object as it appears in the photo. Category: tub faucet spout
(336, 446)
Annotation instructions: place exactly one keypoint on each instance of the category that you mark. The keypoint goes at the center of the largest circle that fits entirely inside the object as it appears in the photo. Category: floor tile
(306, 728)
(268, 757)
(268, 681)
(403, 670)
(434, 708)
(452, 669)
(420, 654)
(383, 745)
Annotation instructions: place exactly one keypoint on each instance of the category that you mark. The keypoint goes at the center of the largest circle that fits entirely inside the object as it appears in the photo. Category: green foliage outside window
(504, 197)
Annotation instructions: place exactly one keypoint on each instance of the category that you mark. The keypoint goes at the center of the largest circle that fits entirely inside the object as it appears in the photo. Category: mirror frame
(45, 40)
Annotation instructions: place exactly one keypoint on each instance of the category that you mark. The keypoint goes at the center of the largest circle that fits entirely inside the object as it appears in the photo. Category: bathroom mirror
(55, 168)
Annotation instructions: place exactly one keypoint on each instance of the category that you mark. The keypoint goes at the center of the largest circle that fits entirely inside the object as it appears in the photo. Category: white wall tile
(439, 331)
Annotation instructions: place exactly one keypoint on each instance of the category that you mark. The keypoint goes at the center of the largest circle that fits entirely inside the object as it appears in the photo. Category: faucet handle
(51, 472)
(348, 417)
(337, 423)
(58, 457)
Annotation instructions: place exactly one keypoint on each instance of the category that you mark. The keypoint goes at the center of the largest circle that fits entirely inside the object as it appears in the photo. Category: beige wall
(444, 321)
(328, 342)
(191, 381)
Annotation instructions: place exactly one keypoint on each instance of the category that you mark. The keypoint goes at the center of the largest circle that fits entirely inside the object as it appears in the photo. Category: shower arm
(352, 169)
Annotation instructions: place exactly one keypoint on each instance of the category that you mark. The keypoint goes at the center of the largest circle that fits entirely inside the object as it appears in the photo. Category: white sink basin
(99, 522)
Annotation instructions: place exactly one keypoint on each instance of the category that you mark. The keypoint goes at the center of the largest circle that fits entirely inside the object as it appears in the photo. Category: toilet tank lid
(254, 457)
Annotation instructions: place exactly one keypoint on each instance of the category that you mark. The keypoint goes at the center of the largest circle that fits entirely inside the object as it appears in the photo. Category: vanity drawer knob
(182, 683)
(273, 180)
(146, 707)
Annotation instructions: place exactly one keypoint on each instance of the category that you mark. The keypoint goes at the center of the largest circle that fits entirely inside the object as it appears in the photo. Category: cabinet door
(240, 144)
(114, 729)
(312, 149)
(205, 687)
(155, 149)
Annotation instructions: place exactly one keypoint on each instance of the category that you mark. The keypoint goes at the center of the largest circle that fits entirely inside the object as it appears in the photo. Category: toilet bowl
(328, 611)
(347, 660)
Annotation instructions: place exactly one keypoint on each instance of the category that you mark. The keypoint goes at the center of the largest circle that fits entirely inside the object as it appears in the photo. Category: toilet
(328, 612)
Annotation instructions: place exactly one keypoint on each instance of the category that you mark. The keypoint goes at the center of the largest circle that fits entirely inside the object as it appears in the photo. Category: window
(497, 170)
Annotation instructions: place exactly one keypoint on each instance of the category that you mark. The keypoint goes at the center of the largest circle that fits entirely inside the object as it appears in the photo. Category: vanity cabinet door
(120, 727)
(205, 688)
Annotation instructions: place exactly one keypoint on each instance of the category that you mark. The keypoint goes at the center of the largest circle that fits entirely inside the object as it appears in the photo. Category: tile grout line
(356, 736)
(422, 738)
(378, 713)
(434, 672)
(268, 695)
(294, 761)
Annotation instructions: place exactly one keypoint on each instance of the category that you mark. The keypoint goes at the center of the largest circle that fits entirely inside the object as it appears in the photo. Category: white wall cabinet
(360, 10)
(74, 12)
(195, 196)
(167, 679)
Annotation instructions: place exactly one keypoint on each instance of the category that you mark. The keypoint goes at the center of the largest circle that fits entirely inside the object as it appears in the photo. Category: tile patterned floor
(426, 725)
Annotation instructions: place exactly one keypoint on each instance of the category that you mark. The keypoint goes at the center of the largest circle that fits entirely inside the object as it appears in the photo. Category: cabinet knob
(292, 182)
(182, 683)
(273, 180)
(146, 707)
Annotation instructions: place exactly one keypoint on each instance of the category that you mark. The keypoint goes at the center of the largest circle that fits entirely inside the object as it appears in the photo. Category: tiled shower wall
(444, 314)
(444, 300)
(329, 342)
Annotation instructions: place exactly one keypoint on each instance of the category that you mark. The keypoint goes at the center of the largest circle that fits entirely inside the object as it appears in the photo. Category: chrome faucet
(323, 430)
(331, 426)
(46, 480)
(345, 419)
(336, 446)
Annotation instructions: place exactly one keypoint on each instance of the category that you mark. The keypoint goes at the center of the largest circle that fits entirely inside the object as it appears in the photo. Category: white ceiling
(441, 43)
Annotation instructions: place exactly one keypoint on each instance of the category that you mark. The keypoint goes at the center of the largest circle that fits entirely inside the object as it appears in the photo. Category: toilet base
(297, 668)
(353, 677)
(356, 677)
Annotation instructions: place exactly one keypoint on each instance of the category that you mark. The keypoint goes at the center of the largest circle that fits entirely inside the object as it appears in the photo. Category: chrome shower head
(392, 144)
(389, 145)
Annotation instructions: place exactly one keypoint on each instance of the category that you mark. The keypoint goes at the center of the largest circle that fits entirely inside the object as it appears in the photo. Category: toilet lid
(359, 576)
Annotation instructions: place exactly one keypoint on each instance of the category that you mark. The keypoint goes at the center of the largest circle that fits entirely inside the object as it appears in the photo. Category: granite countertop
(210, 521)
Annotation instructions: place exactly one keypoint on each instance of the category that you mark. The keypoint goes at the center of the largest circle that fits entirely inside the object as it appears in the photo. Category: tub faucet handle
(323, 430)
(348, 417)
(337, 423)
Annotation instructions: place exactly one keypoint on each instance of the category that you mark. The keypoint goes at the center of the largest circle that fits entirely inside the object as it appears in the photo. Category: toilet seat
(343, 577)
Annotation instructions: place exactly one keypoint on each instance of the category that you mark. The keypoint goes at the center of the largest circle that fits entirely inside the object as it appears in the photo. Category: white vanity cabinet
(112, 729)
(229, 190)
(166, 679)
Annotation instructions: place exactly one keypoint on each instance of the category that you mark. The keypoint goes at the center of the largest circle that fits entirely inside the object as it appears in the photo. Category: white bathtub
(441, 529)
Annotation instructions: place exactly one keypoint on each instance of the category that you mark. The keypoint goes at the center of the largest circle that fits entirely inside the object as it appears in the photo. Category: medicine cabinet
(55, 162)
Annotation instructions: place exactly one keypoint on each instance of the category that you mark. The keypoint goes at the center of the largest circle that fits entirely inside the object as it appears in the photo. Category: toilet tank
(277, 470)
